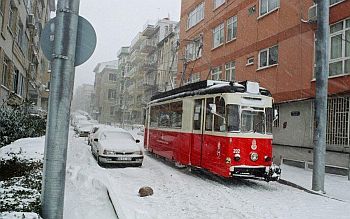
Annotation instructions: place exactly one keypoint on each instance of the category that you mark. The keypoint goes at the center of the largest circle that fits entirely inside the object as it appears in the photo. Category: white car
(83, 128)
(116, 146)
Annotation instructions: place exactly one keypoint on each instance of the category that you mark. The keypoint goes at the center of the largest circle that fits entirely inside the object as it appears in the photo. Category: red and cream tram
(223, 127)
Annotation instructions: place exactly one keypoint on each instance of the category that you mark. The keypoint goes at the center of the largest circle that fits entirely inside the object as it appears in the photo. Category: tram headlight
(237, 157)
(254, 156)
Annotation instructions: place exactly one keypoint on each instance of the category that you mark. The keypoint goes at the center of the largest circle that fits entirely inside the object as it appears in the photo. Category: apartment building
(273, 42)
(24, 72)
(123, 114)
(167, 59)
(149, 62)
(105, 92)
(82, 98)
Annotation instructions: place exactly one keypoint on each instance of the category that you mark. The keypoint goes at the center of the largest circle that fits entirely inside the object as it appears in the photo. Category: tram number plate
(236, 151)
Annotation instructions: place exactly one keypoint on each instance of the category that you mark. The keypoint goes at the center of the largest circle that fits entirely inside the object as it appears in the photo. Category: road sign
(86, 40)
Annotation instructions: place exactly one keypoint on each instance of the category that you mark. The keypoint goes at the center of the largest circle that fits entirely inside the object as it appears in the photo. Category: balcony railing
(147, 46)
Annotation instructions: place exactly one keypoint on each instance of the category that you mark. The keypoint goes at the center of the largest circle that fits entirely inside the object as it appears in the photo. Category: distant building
(82, 99)
(272, 43)
(149, 66)
(105, 96)
(24, 71)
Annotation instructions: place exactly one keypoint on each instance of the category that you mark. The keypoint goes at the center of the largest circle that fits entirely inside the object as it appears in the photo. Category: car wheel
(99, 162)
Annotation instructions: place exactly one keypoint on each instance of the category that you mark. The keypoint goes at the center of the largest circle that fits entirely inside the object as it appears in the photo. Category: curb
(291, 184)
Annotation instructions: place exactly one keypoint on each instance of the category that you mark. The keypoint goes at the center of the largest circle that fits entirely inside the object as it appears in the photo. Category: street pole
(322, 73)
(62, 82)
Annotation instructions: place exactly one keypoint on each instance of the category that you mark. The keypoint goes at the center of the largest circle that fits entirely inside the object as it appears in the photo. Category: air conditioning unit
(312, 15)
(31, 21)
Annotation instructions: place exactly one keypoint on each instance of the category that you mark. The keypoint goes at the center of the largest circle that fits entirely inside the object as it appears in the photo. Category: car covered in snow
(116, 146)
(83, 128)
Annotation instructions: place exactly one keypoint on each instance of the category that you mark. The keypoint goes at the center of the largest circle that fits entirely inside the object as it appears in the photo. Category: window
(217, 3)
(15, 81)
(176, 114)
(111, 111)
(268, 57)
(230, 71)
(193, 50)
(154, 116)
(339, 62)
(209, 115)
(2, 9)
(338, 120)
(233, 119)
(250, 61)
(195, 16)
(195, 77)
(231, 28)
(12, 18)
(5, 73)
(216, 73)
(112, 94)
(219, 119)
(253, 120)
(20, 34)
(167, 115)
(269, 120)
(266, 6)
(333, 2)
(197, 115)
(112, 77)
(218, 35)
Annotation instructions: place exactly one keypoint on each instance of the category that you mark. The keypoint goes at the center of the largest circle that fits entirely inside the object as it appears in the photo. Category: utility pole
(322, 73)
(62, 81)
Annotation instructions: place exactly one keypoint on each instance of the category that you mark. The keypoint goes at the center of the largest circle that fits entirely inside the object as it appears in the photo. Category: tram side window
(164, 116)
(269, 120)
(197, 115)
(233, 118)
(154, 116)
(209, 115)
(219, 121)
(176, 114)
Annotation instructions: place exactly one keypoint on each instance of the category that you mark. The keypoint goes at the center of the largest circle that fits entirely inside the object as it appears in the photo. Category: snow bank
(26, 149)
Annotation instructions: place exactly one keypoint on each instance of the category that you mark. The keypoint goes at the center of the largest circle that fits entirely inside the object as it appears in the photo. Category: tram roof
(209, 87)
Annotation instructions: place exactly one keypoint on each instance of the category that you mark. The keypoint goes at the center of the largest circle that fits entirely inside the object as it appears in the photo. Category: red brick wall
(292, 78)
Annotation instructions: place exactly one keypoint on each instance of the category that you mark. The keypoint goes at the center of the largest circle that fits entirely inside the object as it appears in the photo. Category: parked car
(116, 146)
(83, 128)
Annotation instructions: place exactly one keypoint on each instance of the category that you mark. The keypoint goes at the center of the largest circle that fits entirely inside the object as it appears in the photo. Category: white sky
(116, 23)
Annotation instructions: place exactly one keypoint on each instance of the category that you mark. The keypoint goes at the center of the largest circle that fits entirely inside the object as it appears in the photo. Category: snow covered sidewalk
(336, 186)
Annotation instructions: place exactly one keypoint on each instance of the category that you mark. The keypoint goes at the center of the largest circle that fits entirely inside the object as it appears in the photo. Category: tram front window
(253, 121)
(232, 118)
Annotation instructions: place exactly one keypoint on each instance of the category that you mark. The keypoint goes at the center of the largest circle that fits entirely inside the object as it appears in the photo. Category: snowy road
(181, 194)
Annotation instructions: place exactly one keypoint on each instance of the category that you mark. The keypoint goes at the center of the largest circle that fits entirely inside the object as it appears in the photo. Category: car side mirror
(137, 141)
(96, 140)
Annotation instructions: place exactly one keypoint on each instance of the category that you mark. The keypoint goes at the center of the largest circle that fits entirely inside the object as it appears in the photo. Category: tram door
(197, 133)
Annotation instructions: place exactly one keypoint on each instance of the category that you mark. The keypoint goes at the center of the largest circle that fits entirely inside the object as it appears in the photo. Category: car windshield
(253, 121)
(118, 135)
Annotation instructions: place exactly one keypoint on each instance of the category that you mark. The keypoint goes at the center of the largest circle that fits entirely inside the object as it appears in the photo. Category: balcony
(148, 46)
(124, 51)
(136, 56)
(148, 30)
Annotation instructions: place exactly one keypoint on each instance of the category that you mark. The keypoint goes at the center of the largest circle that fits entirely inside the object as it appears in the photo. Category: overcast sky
(116, 23)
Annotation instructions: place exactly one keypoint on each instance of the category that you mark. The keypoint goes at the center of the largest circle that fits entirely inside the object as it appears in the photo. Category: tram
(222, 127)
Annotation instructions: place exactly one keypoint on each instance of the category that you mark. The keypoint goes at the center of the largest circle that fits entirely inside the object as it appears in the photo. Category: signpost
(67, 41)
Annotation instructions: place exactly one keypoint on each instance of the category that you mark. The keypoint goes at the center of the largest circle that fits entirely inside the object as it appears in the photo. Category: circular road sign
(86, 40)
